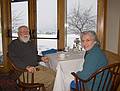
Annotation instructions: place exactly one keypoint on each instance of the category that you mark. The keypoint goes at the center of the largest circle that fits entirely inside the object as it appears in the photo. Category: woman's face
(87, 41)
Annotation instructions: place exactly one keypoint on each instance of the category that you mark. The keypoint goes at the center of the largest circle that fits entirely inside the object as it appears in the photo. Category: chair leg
(75, 89)
(22, 89)
(43, 89)
(38, 89)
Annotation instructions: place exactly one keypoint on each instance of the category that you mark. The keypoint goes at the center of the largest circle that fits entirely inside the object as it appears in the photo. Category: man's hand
(31, 69)
(45, 59)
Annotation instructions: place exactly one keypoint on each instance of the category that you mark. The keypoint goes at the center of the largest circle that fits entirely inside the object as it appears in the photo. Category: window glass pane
(1, 46)
(46, 24)
(81, 16)
(44, 44)
(19, 15)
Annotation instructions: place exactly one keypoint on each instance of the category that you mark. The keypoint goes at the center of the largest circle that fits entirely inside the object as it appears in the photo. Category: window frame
(6, 23)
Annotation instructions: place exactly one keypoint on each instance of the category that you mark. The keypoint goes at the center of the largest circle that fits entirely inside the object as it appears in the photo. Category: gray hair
(92, 34)
(19, 29)
(23, 26)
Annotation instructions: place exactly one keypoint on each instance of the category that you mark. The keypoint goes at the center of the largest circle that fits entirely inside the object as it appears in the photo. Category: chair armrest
(76, 77)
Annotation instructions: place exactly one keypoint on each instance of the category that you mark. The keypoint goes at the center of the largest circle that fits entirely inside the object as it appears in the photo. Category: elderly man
(23, 53)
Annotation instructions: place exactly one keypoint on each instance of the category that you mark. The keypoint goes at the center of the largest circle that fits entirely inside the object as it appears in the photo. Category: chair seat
(73, 85)
(29, 85)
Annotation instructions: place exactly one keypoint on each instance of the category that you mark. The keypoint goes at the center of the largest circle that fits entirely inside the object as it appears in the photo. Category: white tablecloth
(72, 62)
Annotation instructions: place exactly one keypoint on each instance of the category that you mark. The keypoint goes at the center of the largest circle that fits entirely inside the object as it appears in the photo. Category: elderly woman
(94, 57)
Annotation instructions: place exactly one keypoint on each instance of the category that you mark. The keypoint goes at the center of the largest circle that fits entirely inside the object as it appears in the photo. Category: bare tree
(81, 20)
(16, 20)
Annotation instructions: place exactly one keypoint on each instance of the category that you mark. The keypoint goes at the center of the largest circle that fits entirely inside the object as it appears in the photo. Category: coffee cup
(62, 56)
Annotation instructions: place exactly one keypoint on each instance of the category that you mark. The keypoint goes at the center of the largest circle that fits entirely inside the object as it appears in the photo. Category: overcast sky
(47, 14)
(47, 11)
(82, 4)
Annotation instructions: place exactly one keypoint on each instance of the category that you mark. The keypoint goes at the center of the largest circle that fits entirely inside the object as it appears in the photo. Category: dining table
(72, 62)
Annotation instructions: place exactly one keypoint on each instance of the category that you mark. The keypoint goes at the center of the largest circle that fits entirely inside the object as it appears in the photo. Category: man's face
(24, 34)
(87, 42)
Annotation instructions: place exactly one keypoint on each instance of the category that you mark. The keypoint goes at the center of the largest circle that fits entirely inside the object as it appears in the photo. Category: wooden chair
(27, 81)
(109, 79)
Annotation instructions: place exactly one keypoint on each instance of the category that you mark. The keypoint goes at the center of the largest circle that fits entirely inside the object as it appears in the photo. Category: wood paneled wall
(112, 58)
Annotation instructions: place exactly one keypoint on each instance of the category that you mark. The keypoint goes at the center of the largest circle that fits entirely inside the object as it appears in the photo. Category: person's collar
(94, 46)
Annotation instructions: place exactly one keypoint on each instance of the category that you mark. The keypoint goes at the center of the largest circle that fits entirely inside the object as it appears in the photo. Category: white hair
(92, 34)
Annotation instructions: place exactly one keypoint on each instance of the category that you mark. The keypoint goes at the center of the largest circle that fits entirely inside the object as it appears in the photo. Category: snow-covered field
(44, 44)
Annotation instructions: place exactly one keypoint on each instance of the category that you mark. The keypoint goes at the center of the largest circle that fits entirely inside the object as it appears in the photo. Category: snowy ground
(44, 44)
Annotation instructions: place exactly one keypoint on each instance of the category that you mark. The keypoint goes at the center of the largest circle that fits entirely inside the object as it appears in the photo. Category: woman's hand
(45, 59)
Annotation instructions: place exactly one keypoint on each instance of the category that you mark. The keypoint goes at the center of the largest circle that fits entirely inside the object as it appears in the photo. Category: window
(46, 24)
(59, 21)
(19, 10)
(81, 16)
(1, 46)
